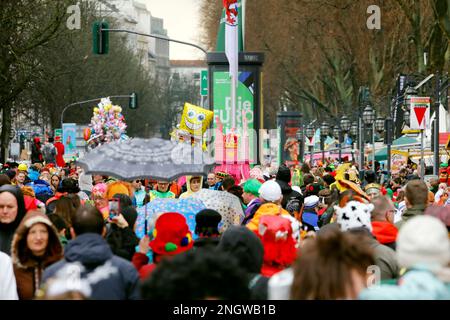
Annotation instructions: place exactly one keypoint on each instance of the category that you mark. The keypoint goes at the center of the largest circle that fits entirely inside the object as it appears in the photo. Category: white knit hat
(270, 191)
(423, 240)
(354, 215)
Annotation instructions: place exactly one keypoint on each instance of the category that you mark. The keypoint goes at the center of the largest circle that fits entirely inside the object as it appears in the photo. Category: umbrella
(187, 207)
(227, 204)
(146, 158)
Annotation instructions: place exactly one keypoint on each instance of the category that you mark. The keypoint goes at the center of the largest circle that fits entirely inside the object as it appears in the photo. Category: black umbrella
(146, 158)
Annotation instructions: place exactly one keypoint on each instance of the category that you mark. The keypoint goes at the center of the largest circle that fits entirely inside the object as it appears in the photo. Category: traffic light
(133, 103)
(100, 37)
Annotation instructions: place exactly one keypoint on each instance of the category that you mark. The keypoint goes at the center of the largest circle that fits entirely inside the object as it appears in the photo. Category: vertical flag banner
(231, 35)
(420, 113)
(69, 137)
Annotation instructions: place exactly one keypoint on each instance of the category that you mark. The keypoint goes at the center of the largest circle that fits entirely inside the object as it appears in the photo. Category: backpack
(49, 151)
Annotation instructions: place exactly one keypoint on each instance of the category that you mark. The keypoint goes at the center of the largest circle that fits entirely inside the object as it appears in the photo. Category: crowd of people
(315, 232)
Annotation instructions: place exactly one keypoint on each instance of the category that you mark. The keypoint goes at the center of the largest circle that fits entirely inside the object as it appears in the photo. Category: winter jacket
(8, 289)
(409, 214)
(59, 154)
(418, 283)
(28, 268)
(252, 207)
(139, 198)
(385, 257)
(265, 209)
(206, 242)
(154, 194)
(283, 178)
(140, 262)
(110, 277)
(385, 232)
(36, 153)
(49, 153)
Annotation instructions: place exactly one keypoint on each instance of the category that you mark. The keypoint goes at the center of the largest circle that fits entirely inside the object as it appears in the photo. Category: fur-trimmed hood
(21, 256)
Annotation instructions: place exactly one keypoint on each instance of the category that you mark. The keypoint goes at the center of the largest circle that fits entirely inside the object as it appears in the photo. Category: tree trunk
(6, 132)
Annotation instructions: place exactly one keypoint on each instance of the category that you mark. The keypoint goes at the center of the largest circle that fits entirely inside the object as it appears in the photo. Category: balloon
(86, 134)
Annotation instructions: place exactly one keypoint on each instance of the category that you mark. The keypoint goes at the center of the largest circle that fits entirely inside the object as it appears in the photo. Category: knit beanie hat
(284, 174)
(207, 222)
(171, 234)
(354, 215)
(270, 191)
(423, 240)
(252, 186)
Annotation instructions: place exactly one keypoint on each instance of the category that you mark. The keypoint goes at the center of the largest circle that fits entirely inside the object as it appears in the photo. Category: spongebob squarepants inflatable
(193, 124)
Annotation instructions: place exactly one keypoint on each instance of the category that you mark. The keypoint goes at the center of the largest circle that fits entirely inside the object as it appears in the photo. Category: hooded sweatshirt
(7, 229)
(189, 192)
(110, 277)
(283, 178)
(385, 232)
(248, 250)
(28, 268)
(268, 208)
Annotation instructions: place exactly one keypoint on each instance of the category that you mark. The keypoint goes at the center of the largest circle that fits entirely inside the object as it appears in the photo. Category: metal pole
(157, 37)
(422, 167)
(322, 146)
(340, 146)
(373, 146)
(437, 103)
(311, 150)
(361, 147)
(233, 102)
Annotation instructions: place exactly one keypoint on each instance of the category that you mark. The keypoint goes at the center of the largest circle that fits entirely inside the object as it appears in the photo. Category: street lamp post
(310, 134)
(368, 117)
(324, 132)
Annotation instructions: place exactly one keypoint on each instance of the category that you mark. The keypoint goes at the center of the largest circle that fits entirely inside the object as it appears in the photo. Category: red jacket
(59, 154)
(140, 261)
(384, 231)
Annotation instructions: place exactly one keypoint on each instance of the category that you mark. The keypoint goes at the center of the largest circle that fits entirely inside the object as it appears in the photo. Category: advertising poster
(244, 105)
(399, 159)
(69, 139)
(288, 125)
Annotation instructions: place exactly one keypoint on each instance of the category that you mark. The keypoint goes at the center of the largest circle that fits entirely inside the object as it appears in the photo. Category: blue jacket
(416, 284)
(110, 277)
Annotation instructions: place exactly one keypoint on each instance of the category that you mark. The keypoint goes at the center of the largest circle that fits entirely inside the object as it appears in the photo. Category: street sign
(204, 83)
(58, 133)
(420, 113)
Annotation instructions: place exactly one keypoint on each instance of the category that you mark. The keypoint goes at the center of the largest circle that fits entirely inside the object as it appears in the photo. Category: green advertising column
(248, 95)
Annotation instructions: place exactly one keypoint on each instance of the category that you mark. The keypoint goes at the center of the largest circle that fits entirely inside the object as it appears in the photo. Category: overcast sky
(181, 20)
